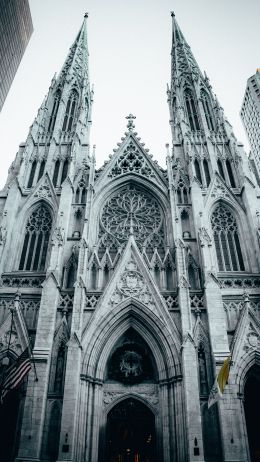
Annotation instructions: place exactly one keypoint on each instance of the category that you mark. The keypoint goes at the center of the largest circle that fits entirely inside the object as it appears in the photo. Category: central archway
(130, 433)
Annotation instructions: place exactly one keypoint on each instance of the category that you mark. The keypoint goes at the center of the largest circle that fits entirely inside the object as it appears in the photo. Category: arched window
(36, 240)
(31, 178)
(230, 174)
(197, 170)
(227, 244)
(54, 111)
(182, 193)
(220, 169)
(60, 369)
(42, 168)
(206, 171)
(207, 110)
(56, 172)
(203, 379)
(191, 110)
(70, 111)
(64, 170)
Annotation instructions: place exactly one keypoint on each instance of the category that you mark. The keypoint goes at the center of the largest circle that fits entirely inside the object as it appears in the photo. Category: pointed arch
(106, 330)
(36, 239)
(32, 173)
(197, 170)
(70, 112)
(207, 109)
(54, 112)
(65, 168)
(191, 109)
(226, 238)
(206, 171)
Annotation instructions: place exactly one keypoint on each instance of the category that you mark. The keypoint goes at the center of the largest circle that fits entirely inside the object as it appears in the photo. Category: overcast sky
(129, 46)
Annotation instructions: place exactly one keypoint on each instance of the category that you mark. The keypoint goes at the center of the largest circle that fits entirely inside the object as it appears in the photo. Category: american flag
(16, 373)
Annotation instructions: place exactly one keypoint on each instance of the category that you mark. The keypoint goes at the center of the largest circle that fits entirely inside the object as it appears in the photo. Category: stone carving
(131, 160)
(132, 284)
(219, 190)
(43, 191)
(183, 284)
(171, 301)
(91, 300)
(204, 237)
(11, 340)
(242, 283)
(58, 236)
(17, 281)
(111, 396)
(3, 233)
(252, 339)
(66, 300)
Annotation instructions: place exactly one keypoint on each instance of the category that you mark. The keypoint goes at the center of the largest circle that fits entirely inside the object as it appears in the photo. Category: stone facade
(134, 282)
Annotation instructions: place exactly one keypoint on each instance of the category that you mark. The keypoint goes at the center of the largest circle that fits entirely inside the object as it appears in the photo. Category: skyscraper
(135, 282)
(15, 31)
(250, 114)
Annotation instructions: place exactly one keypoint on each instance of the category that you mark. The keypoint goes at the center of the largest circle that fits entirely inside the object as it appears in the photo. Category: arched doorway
(130, 433)
(252, 412)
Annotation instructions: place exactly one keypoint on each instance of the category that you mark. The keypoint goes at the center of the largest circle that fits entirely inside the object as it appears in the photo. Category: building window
(42, 168)
(54, 111)
(31, 177)
(191, 110)
(207, 110)
(60, 172)
(197, 171)
(36, 240)
(56, 172)
(220, 169)
(206, 171)
(70, 111)
(226, 238)
(230, 174)
(182, 193)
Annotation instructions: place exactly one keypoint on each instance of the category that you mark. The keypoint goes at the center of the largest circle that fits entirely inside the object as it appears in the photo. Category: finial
(86, 15)
(246, 297)
(172, 14)
(130, 123)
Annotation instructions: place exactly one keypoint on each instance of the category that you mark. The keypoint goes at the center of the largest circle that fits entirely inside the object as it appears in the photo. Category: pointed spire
(76, 64)
(183, 61)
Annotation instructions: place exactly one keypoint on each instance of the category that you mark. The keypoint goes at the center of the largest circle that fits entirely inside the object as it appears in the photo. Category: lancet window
(60, 369)
(70, 112)
(81, 192)
(206, 171)
(230, 174)
(220, 169)
(32, 173)
(36, 240)
(227, 242)
(207, 110)
(41, 170)
(60, 172)
(226, 172)
(182, 193)
(55, 108)
(191, 110)
(197, 170)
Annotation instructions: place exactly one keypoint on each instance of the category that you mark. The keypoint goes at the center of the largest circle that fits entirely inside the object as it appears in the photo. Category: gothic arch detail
(191, 109)
(36, 240)
(70, 112)
(227, 240)
(207, 110)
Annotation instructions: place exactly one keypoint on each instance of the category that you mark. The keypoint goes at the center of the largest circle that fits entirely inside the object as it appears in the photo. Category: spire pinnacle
(183, 61)
(76, 64)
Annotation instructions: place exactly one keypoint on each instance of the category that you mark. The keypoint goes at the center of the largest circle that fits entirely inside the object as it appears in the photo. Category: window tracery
(131, 160)
(54, 111)
(70, 111)
(132, 211)
(81, 192)
(36, 240)
(191, 110)
(182, 193)
(226, 237)
(207, 110)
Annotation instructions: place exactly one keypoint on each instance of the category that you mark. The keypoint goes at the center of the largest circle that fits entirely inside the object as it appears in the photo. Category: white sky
(129, 46)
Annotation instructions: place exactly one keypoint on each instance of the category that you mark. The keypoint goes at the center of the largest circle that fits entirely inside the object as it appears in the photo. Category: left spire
(76, 64)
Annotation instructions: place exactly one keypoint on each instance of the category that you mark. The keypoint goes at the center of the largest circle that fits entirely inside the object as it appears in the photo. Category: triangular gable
(219, 190)
(247, 333)
(131, 158)
(43, 190)
(13, 333)
(132, 281)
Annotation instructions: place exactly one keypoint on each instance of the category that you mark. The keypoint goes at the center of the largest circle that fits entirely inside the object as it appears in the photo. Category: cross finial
(130, 123)
(86, 15)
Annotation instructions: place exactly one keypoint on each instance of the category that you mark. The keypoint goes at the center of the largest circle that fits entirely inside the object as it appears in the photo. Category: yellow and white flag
(221, 380)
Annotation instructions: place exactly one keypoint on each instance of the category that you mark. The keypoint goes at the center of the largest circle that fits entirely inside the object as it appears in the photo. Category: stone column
(35, 403)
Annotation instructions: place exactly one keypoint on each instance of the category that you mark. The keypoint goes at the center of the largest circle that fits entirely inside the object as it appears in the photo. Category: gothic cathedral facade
(132, 282)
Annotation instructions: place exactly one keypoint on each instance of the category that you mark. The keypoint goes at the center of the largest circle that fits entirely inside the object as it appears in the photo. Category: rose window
(132, 211)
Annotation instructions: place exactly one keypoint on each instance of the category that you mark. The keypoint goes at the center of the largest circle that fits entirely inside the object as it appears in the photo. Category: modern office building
(15, 31)
(135, 283)
(250, 114)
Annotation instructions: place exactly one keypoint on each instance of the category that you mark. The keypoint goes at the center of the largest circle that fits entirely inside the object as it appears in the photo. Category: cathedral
(132, 283)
